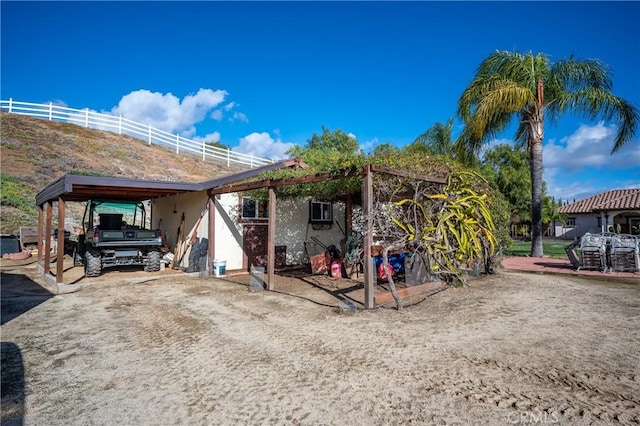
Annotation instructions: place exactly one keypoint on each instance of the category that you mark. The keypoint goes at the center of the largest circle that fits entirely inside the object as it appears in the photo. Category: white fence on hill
(124, 126)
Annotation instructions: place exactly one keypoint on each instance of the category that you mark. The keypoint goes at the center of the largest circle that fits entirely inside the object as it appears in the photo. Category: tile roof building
(616, 210)
(617, 199)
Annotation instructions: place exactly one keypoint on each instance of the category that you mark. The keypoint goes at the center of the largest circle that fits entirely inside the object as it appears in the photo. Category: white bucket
(219, 267)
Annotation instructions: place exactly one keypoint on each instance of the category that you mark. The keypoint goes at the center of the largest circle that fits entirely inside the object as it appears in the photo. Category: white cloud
(571, 165)
(211, 137)
(239, 116)
(59, 103)
(229, 106)
(168, 112)
(367, 146)
(216, 115)
(263, 145)
(589, 147)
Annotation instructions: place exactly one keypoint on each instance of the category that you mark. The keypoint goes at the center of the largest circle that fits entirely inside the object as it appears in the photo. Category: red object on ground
(336, 268)
(381, 275)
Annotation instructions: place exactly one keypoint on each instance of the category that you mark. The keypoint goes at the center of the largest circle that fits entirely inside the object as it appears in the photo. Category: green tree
(508, 167)
(511, 85)
(217, 145)
(327, 141)
(435, 140)
(550, 213)
(385, 149)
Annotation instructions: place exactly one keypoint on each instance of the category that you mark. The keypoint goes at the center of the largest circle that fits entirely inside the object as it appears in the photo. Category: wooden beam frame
(388, 171)
(367, 208)
(47, 238)
(273, 183)
(40, 236)
(271, 238)
(60, 242)
(211, 231)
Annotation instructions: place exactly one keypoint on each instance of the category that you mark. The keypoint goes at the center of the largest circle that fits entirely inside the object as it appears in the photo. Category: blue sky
(261, 76)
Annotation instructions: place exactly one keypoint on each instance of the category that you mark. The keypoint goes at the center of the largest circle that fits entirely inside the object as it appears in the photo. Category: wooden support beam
(273, 183)
(271, 240)
(40, 235)
(211, 234)
(386, 170)
(367, 211)
(60, 251)
(47, 239)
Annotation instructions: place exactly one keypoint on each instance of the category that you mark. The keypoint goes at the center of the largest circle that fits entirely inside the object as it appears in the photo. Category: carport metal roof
(83, 188)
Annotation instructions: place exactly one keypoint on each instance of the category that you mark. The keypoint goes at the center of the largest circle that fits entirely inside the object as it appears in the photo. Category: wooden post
(47, 239)
(40, 235)
(211, 234)
(367, 233)
(271, 244)
(60, 254)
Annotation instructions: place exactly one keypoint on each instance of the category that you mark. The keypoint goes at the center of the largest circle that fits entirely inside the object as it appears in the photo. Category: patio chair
(625, 254)
(571, 253)
(593, 252)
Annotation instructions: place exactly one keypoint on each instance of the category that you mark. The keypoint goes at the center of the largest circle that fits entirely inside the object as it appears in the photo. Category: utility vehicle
(115, 233)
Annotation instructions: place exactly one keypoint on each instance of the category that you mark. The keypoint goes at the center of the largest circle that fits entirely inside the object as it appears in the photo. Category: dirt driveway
(508, 349)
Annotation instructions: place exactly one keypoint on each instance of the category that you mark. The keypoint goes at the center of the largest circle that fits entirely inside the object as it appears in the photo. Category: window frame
(326, 209)
(261, 209)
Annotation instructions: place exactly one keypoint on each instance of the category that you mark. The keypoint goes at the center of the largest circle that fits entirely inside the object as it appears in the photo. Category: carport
(80, 188)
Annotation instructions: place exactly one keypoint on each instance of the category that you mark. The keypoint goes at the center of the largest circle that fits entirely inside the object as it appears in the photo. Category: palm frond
(594, 103)
(573, 75)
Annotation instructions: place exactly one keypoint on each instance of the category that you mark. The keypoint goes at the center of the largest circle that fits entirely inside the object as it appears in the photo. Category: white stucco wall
(583, 224)
(228, 233)
(293, 229)
(191, 204)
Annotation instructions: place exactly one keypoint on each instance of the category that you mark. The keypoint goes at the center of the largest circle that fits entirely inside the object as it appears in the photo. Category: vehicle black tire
(153, 261)
(92, 263)
(77, 259)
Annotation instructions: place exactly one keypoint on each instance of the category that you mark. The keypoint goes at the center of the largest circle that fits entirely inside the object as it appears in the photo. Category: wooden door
(254, 245)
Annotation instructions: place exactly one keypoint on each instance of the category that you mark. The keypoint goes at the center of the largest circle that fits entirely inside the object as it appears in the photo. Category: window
(320, 212)
(571, 221)
(254, 209)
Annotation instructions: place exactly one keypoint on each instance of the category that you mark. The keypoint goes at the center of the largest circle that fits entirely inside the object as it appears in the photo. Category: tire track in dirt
(558, 392)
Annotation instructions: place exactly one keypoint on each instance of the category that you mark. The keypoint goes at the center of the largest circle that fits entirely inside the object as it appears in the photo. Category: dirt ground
(513, 348)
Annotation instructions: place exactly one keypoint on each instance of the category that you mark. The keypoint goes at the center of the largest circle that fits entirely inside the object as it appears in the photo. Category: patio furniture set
(606, 252)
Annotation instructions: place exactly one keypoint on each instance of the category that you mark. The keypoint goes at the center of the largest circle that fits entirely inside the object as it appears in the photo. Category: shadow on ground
(12, 372)
(19, 294)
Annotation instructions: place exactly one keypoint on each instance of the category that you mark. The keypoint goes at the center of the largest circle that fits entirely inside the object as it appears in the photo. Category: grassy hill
(34, 152)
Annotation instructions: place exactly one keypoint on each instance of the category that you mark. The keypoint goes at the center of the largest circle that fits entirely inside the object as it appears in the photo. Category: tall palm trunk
(535, 162)
(536, 134)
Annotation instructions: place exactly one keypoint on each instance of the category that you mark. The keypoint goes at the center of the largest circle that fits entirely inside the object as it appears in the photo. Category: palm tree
(436, 139)
(511, 85)
(550, 214)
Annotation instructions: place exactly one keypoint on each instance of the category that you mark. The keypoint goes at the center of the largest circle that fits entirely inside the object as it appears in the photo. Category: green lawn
(551, 248)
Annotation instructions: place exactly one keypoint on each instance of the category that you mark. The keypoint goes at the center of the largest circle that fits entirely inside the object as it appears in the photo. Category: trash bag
(334, 252)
